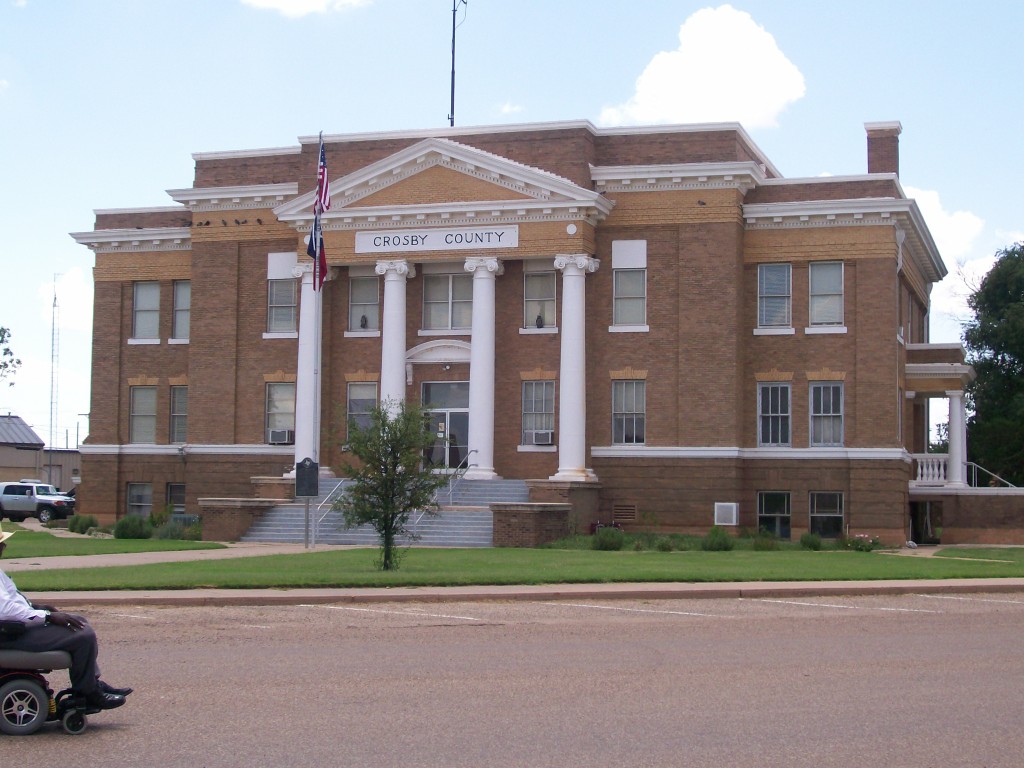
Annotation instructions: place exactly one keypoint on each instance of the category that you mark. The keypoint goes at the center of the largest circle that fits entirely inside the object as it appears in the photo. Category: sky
(103, 102)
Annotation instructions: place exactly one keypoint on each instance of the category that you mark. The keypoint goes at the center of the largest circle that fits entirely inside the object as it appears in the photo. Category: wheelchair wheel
(73, 722)
(24, 707)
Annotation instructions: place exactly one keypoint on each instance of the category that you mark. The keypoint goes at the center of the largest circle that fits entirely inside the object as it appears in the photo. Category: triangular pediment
(442, 177)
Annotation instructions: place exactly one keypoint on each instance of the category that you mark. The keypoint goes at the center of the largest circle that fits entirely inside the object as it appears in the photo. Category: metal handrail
(329, 501)
(458, 474)
(973, 481)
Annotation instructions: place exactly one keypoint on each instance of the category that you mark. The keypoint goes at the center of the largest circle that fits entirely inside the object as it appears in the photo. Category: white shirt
(14, 606)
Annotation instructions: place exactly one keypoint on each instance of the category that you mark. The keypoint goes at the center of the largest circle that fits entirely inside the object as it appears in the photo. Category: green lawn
(42, 544)
(450, 567)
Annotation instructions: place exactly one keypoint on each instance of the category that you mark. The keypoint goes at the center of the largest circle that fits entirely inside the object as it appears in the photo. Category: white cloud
(709, 78)
(295, 9)
(4, 85)
(955, 232)
(508, 108)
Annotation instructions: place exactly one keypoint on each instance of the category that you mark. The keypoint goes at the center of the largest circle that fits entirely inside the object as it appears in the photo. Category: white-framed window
(182, 309)
(447, 302)
(176, 498)
(826, 413)
(539, 300)
(825, 305)
(826, 514)
(629, 412)
(773, 513)
(773, 413)
(774, 296)
(280, 409)
(538, 413)
(178, 431)
(142, 415)
(140, 499)
(629, 297)
(282, 302)
(362, 398)
(364, 304)
(146, 310)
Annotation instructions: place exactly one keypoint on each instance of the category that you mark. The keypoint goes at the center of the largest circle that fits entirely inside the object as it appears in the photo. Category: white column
(481, 369)
(392, 362)
(572, 395)
(956, 470)
(307, 377)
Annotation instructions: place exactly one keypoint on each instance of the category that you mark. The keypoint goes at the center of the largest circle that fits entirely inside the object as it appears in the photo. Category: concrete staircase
(464, 519)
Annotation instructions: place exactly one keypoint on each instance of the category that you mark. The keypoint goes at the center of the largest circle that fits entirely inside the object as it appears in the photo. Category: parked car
(32, 498)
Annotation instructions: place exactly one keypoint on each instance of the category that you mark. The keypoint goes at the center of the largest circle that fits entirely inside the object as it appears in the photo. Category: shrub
(717, 540)
(811, 541)
(861, 542)
(169, 530)
(132, 527)
(193, 532)
(81, 523)
(765, 541)
(159, 517)
(663, 544)
(609, 539)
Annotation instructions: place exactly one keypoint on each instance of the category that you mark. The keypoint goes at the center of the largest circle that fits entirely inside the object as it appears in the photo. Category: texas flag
(322, 203)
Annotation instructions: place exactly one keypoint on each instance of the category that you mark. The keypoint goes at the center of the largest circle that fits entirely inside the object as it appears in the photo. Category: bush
(862, 542)
(132, 527)
(664, 544)
(717, 540)
(169, 530)
(765, 542)
(193, 532)
(609, 539)
(811, 541)
(159, 517)
(82, 523)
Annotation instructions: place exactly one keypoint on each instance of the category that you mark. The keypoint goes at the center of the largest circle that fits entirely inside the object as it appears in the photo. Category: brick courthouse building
(650, 322)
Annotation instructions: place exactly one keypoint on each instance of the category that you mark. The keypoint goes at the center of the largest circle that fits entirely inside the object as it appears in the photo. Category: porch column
(572, 395)
(956, 472)
(307, 376)
(481, 369)
(392, 362)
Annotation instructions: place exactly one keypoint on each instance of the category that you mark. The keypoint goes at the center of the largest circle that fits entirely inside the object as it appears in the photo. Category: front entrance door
(447, 406)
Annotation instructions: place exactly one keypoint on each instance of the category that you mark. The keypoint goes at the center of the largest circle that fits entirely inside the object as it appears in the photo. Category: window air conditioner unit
(727, 513)
(543, 437)
(281, 436)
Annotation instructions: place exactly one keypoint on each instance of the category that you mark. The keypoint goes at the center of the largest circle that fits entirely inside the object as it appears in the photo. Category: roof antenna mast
(455, 8)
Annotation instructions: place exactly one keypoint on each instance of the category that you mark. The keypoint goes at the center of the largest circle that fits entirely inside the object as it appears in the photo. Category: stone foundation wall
(529, 525)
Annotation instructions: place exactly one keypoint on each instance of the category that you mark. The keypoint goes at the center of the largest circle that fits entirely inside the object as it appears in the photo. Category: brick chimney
(884, 147)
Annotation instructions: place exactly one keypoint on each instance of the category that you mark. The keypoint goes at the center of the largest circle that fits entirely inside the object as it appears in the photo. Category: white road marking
(975, 599)
(393, 612)
(132, 616)
(850, 607)
(633, 610)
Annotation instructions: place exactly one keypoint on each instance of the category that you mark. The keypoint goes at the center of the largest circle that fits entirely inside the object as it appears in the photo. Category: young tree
(995, 344)
(390, 481)
(8, 362)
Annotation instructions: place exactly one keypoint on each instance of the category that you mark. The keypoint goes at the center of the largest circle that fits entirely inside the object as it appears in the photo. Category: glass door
(447, 405)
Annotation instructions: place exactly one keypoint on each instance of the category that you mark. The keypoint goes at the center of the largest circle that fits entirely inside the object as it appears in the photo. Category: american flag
(322, 203)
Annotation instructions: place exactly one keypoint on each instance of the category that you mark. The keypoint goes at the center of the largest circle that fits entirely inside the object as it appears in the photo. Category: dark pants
(80, 643)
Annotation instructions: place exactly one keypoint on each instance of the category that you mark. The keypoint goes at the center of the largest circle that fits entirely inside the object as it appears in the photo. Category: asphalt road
(914, 680)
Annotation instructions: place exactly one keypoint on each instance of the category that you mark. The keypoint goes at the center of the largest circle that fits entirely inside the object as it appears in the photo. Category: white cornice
(792, 454)
(641, 178)
(153, 209)
(148, 449)
(122, 240)
(962, 371)
(234, 198)
(238, 154)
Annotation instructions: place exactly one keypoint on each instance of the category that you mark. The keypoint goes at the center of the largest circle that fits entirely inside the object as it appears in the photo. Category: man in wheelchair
(47, 629)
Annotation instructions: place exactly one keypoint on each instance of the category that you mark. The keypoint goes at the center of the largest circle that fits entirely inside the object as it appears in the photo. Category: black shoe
(102, 700)
(107, 688)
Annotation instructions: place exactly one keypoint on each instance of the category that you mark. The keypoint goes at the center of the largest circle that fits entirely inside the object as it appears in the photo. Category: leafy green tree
(390, 482)
(9, 364)
(995, 344)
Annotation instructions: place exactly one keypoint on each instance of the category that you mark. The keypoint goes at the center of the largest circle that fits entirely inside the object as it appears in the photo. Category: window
(773, 514)
(178, 431)
(774, 308)
(773, 414)
(538, 413)
(827, 413)
(176, 498)
(629, 300)
(362, 398)
(539, 304)
(826, 300)
(282, 299)
(142, 417)
(447, 302)
(280, 409)
(827, 514)
(628, 412)
(363, 304)
(146, 309)
(182, 309)
(140, 499)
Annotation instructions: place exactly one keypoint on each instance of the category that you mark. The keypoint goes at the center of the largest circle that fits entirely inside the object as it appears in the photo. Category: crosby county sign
(459, 239)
